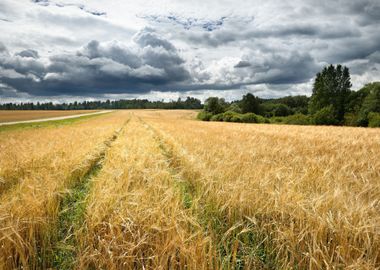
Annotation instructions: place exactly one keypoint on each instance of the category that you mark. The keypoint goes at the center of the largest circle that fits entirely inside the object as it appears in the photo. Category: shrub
(277, 119)
(204, 116)
(230, 116)
(262, 119)
(217, 117)
(325, 116)
(282, 110)
(296, 119)
(374, 119)
(234, 107)
(350, 119)
(227, 116)
(253, 118)
(249, 118)
(236, 118)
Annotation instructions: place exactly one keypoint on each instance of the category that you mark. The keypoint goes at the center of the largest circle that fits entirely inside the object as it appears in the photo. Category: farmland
(23, 115)
(155, 189)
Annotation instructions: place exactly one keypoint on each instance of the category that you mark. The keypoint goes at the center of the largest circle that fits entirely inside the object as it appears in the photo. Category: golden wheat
(135, 217)
(37, 166)
(311, 192)
(178, 193)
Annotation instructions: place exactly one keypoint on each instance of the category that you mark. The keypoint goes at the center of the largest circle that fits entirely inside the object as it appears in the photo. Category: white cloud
(215, 47)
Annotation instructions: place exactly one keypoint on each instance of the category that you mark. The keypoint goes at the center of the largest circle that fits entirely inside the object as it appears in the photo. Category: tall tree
(215, 105)
(370, 104)
(331, 87)
(250, 103)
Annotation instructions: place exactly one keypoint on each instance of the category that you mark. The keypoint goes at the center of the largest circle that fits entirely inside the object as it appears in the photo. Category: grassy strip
(70, 220)
(238, 245)
(49, 123)
(72, 211)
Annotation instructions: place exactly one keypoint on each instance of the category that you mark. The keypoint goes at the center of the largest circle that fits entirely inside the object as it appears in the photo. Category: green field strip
(50, 123)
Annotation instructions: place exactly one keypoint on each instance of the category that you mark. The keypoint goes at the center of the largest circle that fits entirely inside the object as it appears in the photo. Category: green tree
(370, 104)
(234, 107)
(250, 104)
(215, 105)
(331, 87)
(325, 116)
(282, 110)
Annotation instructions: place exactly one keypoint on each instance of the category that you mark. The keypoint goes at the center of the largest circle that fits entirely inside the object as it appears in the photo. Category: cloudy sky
(64, 50)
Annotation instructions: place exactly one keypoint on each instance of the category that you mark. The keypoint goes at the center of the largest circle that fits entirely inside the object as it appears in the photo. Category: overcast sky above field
(61, 50)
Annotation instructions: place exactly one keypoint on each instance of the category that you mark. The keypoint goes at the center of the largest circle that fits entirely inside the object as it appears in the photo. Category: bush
(374, 119)
(325, 116)
(234, 107)
(236, 118)
(204, 116)
(277, 119)
(282, 110)
(217, 117)
(249, 118)
(350, 119)
(296, 119)
(262, 119)
(228, 115)
(253, 118)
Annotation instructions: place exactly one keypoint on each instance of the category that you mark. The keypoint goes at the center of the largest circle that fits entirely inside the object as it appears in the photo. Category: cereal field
(23, 115)
(151, 189)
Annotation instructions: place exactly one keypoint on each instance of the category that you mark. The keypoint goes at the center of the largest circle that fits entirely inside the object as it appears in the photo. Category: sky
(66, 50)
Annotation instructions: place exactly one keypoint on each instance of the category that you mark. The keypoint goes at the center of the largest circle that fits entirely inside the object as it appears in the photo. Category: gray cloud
(188, 23)
(242, 64)
(97, 68)
(88, 49)
(28, 53)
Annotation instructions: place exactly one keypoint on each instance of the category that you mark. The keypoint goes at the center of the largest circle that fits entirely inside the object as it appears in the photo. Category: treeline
(188, 103)
(332, 103)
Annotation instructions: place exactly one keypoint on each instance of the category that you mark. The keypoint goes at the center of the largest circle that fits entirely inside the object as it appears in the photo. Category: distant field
(154, 189)
(12, 116)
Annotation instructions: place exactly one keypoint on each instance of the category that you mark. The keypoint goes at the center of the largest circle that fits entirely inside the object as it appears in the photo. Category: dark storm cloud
(279, 69)
(346, 50)
(22, 64)
(242, 64)
(97, 68)
(28, 53)
(276, 68)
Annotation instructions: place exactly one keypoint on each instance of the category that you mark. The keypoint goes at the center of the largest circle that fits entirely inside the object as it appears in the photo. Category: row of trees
(188, 103)
(332, 103)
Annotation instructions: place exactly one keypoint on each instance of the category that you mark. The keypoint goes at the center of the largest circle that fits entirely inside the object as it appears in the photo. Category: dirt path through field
(53, 118)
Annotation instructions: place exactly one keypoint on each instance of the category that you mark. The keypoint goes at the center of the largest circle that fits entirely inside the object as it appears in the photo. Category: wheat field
(154, 189)
(21, 115)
